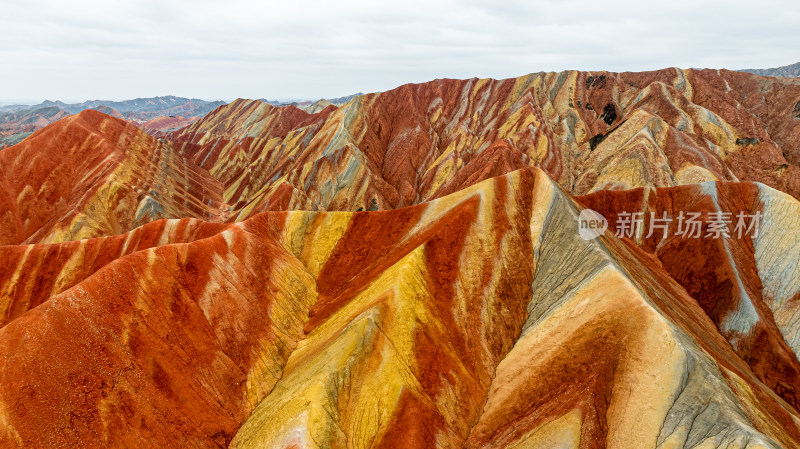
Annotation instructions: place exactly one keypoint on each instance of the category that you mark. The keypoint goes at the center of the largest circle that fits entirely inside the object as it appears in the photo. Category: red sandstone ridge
(167, 123)
(91, 175)
(589, 130)
(312, 329)
(406, 270)
(419, 142)
(109, 111)
(742, 282)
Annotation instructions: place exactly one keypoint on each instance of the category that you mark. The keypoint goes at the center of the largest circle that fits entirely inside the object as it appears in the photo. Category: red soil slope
(588, 130)
(91, 175)
(272, 332)
(165, 124)
(468, 313)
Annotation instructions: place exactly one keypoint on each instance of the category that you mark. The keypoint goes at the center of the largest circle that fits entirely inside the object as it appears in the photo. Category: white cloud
(98, 49)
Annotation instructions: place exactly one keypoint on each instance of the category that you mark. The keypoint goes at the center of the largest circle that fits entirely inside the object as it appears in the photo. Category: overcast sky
(79, 50)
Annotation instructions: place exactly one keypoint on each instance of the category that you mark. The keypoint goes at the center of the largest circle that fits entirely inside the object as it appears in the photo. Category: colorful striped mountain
(408, 270)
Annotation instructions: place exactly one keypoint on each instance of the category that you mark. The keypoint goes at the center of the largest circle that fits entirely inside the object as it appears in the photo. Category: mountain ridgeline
(407, 270)
(19, 121)
(788, 71)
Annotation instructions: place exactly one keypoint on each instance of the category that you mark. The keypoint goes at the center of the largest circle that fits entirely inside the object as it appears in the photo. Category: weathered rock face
(92, 175)
(589, 131)
(165, 124)
(479, 319)
(174, 343)
(31, 274)
(747, 285)
(451, 302)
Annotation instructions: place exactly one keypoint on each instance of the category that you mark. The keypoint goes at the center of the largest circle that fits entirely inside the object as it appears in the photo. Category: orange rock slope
(159, 294)
(90, 175)
(589, 131)
(163, 124)
(480, 319)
